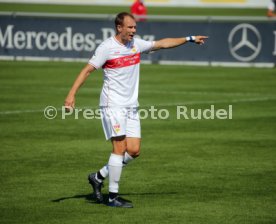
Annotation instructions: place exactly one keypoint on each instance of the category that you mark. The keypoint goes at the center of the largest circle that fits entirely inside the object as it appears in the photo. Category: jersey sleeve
(99, 57)
(144, 46)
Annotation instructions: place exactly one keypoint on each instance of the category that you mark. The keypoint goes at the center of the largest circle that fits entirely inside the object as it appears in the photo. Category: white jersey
(121, 67)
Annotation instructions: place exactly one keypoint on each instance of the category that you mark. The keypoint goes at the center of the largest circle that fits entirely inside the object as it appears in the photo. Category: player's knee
(136, 154)
(119, 145)
(134, 151)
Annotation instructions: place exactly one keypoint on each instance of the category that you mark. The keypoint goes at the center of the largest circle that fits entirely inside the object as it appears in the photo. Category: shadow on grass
(88, 197)
(91, 199)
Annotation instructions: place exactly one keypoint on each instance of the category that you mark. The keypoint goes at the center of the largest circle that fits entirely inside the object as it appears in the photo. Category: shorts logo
(117, 127)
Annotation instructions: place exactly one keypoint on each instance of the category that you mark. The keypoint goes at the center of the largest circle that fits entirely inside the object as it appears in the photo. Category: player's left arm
(175, 42)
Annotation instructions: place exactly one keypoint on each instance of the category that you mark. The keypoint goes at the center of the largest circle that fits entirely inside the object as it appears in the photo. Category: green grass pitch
(190, 171)
(186, 11)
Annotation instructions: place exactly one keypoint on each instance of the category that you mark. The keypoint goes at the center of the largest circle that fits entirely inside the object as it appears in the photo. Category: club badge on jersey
(117, 127)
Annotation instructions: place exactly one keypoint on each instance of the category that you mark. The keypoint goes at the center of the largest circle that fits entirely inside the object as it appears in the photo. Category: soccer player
(139, 10)
(119, 56)
(271, 10)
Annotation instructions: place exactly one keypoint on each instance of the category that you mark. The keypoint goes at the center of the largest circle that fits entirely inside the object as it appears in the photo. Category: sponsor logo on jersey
(123, 61)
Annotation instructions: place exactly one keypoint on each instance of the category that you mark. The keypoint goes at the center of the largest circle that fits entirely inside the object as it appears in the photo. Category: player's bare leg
(133, 147)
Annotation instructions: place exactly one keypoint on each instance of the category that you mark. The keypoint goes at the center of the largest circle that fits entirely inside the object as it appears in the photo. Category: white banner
(176, 3)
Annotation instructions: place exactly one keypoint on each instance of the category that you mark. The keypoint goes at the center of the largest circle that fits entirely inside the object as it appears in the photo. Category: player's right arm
(85, 72)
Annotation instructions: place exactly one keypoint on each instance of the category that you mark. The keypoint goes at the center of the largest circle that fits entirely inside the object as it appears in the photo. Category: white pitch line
(200, 93)
(156, 105)
(210, 102)
(19, 111)
(87, 89)
(98, 90)
(178, 92)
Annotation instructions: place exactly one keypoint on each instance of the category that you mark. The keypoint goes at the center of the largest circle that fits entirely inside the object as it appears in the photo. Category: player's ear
(119, 28)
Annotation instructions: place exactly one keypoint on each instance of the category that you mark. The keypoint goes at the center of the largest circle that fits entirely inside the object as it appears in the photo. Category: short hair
(119, 20)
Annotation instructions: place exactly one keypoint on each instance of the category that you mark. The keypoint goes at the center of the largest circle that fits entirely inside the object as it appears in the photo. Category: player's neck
(120, 40)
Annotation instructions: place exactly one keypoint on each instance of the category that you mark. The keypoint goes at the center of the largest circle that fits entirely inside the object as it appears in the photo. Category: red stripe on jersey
(122, 61)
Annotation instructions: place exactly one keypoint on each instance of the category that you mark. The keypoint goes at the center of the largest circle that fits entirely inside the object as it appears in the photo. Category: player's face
(128, 29)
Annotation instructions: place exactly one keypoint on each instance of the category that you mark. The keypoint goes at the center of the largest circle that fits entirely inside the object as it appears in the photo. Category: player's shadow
(91, 199)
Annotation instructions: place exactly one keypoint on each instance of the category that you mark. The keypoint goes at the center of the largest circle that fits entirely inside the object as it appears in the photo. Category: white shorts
(120, 121)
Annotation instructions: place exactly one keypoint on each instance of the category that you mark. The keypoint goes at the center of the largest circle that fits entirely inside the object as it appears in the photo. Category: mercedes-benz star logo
(245, 42)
